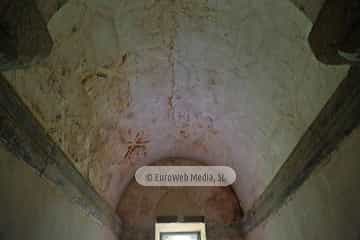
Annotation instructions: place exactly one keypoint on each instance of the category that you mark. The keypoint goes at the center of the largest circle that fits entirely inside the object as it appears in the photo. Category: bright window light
(180, 236)
(180, 231)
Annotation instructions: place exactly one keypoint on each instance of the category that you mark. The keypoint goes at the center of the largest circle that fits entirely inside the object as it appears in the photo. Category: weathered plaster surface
(228, 82)
(326, 207)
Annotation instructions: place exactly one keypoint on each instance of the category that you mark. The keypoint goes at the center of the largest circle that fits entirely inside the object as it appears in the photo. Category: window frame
(188, 227)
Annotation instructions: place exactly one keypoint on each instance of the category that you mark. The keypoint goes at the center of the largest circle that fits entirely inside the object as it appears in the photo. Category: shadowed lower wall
(326, 206)
(33, 209)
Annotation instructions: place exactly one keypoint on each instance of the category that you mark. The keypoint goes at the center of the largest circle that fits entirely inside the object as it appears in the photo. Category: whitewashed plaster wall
(129, 82)
(34, 209)
(326, 207)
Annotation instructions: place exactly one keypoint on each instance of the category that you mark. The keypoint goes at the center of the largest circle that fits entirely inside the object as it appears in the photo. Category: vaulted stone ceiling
(229, 82)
